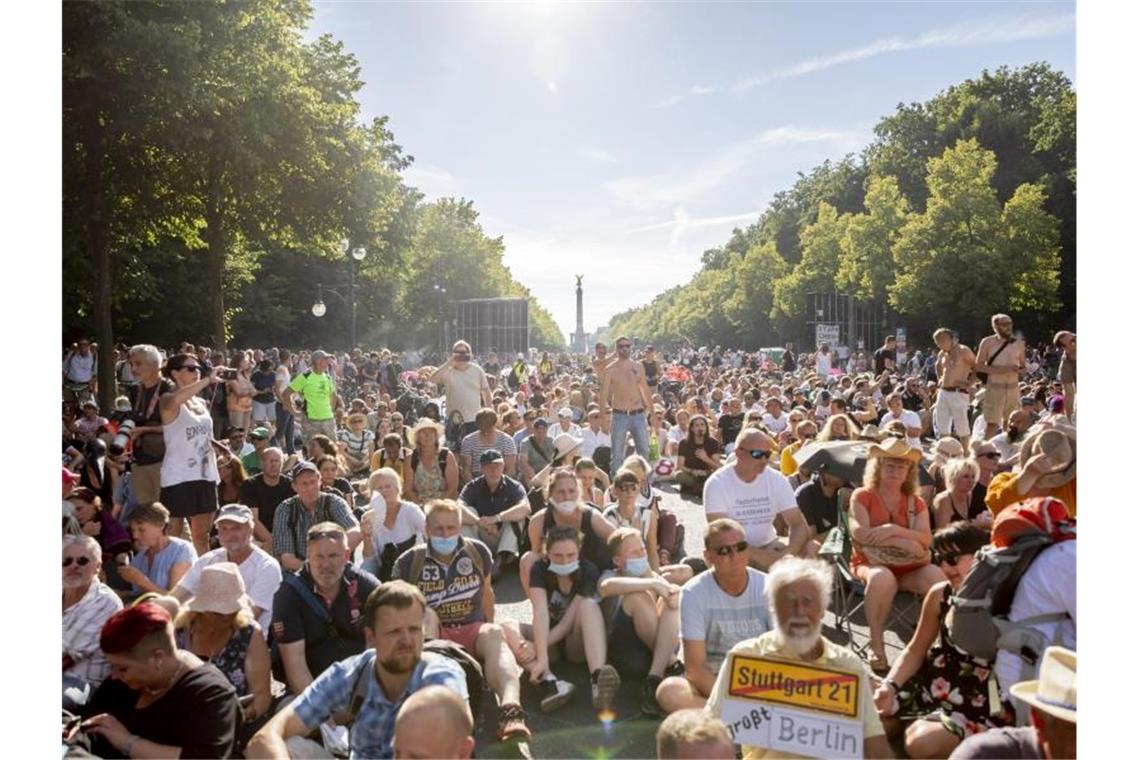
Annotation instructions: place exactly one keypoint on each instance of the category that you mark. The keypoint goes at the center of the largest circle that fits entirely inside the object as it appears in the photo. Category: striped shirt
(375, 725)
(291, 523)
(82, 623)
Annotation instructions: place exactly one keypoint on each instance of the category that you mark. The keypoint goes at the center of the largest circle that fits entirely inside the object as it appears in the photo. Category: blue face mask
(566, 569)
(444, 545)
(636, 565)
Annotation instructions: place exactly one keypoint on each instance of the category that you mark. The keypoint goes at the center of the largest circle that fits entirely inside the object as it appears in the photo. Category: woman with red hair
(160, 701)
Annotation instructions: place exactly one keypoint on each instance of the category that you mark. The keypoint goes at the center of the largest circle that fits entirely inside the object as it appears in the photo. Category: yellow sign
(787, 683)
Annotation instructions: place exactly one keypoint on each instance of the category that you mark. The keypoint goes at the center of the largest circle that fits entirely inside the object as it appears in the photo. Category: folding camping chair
(849, 590)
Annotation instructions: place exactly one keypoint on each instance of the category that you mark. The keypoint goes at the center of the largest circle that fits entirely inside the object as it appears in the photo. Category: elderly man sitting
(798, 591)
(87, 604)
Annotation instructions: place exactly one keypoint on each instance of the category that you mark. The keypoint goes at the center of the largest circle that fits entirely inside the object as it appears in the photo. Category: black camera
(228, 374)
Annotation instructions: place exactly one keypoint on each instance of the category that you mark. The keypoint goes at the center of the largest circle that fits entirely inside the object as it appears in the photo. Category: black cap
(490, 456)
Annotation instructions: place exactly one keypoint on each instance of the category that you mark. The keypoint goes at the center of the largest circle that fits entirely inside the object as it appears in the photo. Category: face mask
(566, 569)
(444, 545)
(565, 507)
(636, 565)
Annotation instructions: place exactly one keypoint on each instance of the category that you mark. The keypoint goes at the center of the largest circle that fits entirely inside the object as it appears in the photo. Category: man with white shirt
(593, 436)
(913, 422)
(753, 494)
(258, 568)
(774, 418)
(1008, 442)
(566, 423)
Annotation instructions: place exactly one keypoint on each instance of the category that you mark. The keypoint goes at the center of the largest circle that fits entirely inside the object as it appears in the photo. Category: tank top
(593, 548)
(640, 515)
(429, 480)
(189, 455)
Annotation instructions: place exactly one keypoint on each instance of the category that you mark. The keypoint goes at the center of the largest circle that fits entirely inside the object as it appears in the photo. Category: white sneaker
(604, 687)
(555, 694)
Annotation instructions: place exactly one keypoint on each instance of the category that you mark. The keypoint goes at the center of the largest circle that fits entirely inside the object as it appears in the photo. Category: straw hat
(424, 423)
(220, 589)
(1055, 692)
(1058, 441)
(894, 448)
(564, 444)
(871, 432)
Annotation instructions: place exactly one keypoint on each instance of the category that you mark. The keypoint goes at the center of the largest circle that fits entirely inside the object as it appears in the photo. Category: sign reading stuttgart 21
(793, 707)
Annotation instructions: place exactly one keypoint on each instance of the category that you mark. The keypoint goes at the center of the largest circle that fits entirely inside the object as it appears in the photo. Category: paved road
(575, 730)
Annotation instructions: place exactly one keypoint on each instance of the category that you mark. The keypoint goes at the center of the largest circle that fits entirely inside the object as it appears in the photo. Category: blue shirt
(158, 571)
(375, 726)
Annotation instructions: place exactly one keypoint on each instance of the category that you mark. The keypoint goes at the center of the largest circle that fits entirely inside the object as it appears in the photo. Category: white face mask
(565, 507)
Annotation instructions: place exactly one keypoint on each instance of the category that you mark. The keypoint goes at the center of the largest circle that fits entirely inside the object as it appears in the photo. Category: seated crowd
(228, 589)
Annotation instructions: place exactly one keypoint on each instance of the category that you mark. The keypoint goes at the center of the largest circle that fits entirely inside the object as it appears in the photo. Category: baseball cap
(490, 456)
(69, 476)
(305, 466)
(319, 354)
(235, 512)
(565, 413)
(259, 433)
(541, 421)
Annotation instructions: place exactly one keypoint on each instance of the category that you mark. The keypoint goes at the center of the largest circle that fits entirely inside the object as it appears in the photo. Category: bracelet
(130, 744)
(891, 682)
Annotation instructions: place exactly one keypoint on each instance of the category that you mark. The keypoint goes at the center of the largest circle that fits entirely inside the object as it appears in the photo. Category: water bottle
(654, 447)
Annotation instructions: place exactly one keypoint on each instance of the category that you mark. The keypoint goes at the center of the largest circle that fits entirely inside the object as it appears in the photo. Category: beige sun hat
(220, 589)
(424, 423)
(1055, 691)
(1058, 441)
(894, 448)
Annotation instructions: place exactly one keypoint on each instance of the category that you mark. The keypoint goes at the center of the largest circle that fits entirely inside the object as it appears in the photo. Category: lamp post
(354, 258)
(440, 291)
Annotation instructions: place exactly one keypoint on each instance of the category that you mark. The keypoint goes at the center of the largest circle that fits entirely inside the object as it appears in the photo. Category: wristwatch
(891, 682)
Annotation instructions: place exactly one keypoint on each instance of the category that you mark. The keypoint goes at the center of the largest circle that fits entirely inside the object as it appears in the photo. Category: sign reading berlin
(795, 685)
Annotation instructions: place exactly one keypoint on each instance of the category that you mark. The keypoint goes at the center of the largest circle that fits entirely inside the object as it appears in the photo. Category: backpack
(419, 555)
(978, 619)
(433, 648)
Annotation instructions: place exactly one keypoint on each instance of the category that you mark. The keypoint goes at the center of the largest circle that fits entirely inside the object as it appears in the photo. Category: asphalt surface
(576, 730)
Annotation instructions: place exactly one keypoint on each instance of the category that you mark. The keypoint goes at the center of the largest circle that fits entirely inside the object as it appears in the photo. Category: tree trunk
(98, 243)
(215, 253)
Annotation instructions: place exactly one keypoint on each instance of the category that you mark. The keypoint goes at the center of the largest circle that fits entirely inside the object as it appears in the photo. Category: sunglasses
(461, 355)
(991, 455)
(758, 453)
(335, 535)
(623, 346)
(739, 548)
(191, 367)
(949, 558)
(81, 561)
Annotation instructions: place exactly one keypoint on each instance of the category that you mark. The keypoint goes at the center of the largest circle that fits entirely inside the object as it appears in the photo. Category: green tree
(749, 304)
(822, 246)
(866, 265)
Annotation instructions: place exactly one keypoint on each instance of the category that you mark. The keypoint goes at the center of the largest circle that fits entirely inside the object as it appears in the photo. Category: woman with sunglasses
(940, 687)
(988, 459)
(190, 467)
(890, 531)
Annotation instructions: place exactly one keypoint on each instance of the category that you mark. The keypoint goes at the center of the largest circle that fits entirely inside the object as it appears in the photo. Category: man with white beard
(798, 592)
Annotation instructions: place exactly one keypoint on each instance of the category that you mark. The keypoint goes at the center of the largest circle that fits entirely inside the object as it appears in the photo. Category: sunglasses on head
(335, 535)
(739, 548)
(758, 453)
(81, 561)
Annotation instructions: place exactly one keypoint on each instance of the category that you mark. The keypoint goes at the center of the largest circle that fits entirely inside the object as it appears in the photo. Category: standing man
(752, 493)
(626, 394)
(1067, 372)
(1001, 358)
(465, 385)
(652, 369)
(886, 355)
(80, 372)
(789, 359)
(149, 447)
(601, 361)
(953, 367)
(317, 390)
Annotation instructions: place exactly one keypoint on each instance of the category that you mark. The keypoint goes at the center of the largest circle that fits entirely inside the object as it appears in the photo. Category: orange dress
(880, 515)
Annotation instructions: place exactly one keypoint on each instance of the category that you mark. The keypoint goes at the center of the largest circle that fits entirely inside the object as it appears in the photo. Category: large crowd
(273, 553)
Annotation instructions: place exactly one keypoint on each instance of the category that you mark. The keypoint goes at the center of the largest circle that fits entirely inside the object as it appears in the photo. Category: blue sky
(621, 140)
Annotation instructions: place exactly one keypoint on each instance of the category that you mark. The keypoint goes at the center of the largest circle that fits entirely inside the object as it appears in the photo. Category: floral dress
(952, 687)
(231, 660)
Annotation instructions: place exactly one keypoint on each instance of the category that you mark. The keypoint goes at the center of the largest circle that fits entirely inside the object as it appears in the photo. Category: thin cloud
(597, 155)
(680, 218)
(681, 188)
(432, 181)
(967, 34)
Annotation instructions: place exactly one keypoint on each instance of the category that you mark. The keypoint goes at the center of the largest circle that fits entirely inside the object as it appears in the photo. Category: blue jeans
(284, 435)
(622, 424)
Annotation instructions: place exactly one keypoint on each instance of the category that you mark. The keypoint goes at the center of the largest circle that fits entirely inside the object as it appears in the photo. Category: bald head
(434, 722)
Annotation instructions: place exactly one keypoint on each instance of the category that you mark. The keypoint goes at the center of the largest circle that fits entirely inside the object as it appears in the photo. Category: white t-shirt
(908, 418)
(464, 390)
(260, 572)
(775, 424)
(1049, 585)
(410, 522)
(823, 365)
(592, 440)
(754, 505)
(710, 615)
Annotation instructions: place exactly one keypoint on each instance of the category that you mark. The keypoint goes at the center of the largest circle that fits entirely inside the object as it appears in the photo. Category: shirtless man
(1067, 372)
(953, 367)
(601, 361)
(626, 394)
(1001, 357)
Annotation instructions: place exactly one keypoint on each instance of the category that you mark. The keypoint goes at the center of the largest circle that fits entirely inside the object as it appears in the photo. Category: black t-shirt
(263, 383)
(296, 620)
(730, 426)
(200, 714)
(584, 580)
(343, 488)
(150, 448)
(478, 496)
(256, 495)
(789, 361)
(912, 402)
(818, 509)
(689, 452)
(881, 356)
(977, 501)
(651, 372)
